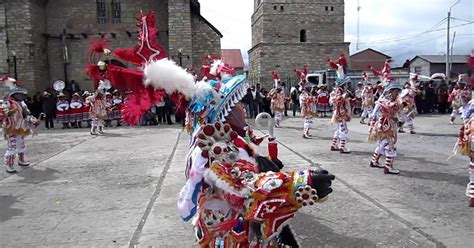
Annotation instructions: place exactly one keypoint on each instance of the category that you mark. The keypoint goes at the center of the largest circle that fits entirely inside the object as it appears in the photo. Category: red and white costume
(460, 97)
(384, 122)
(341, 115)
(342, 112)
(322, 105)
(76, 109)
(98, 112)
(62, 110)
(17, 123)
(277, 104)
(408, 108)
(357, 101)
(307, 104)
(368, 102)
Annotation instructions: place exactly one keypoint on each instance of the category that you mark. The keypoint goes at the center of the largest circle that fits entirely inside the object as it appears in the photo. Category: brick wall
(25, 25)
(180, 31)
(205, 41)
(81, 17)
(362, 60)
(34, 29)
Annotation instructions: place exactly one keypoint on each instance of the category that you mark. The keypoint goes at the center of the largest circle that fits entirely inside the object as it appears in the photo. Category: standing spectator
(266, 103)
(75, 87)
(168, 109)
(322, 105)
(254, 102)
(36, 105)
(160, 111)
(295, 98)
(49, 108)
(419, 99)
(246, 100)
(283, 87)
(260, 96)
(442, 93)
(430, 97)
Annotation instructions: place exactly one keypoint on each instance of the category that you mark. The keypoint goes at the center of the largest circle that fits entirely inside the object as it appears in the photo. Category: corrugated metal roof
(233, 57)
(440, 59)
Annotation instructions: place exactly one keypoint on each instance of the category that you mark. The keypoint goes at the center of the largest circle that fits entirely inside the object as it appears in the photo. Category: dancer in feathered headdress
(341, 106)
(368, 99)
(459, 97)
(408, 110)
(383, 124)
(307, 102)
(464, 142)
(278, 99)
(17, 123)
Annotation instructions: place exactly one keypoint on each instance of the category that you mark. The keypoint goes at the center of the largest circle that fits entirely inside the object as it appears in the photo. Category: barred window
(101, 12)
(303, 35)
(116, 11)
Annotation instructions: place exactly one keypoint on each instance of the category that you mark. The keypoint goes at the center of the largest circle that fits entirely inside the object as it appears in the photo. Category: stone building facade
(36, 32)
(286, 34)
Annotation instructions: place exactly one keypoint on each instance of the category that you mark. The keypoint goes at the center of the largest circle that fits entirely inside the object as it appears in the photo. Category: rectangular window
(417, 69)
(101, 12)
(116, 11)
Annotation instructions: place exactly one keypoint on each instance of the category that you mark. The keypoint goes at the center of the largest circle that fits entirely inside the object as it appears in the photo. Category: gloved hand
(322, 181)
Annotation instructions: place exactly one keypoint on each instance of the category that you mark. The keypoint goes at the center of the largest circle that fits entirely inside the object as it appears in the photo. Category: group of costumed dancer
(72, 113)
(234, 196)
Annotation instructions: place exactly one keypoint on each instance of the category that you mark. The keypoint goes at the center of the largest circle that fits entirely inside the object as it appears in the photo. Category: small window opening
(303, 35)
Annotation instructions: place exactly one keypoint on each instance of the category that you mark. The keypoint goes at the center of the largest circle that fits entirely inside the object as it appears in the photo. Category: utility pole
(452, 52)
(448, 71)
(358, 25)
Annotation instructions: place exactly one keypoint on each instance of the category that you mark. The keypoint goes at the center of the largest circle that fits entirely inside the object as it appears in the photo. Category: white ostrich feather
(165, 74)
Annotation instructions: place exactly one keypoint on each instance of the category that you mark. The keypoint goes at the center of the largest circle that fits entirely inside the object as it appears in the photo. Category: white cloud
(379, 20)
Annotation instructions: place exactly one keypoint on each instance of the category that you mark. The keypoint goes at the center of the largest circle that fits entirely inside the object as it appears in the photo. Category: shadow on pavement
(6, 210)
(436, 176)
(438, 134)
(33, 176)
(312, 233)
(422, 160)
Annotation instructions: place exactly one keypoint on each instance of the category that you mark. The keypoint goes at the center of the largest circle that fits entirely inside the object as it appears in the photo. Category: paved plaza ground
(120, 189)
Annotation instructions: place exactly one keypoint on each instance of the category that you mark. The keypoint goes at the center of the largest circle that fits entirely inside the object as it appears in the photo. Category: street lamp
(181, 56)
(448, 70)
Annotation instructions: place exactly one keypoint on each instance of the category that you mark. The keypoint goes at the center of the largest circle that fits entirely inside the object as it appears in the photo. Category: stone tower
(286, 34)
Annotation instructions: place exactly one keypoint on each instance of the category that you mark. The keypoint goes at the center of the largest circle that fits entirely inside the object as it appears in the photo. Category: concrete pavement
(120, 190)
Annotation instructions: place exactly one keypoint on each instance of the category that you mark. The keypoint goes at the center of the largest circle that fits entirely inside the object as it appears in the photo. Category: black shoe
(376, 165)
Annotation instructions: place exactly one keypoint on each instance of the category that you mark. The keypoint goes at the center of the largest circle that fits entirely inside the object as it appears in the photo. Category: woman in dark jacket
(49, 109)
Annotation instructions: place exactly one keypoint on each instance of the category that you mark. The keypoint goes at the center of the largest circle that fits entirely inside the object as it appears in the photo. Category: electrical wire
(409, 36)
(418, 35)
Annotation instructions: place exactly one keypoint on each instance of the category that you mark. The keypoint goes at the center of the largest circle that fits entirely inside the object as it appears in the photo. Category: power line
(417, 35)
(409, 36)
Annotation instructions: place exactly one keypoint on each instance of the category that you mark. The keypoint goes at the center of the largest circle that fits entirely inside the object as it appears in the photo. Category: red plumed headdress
(147, 48)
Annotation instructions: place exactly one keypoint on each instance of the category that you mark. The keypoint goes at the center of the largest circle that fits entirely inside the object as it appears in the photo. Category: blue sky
(399, 28)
